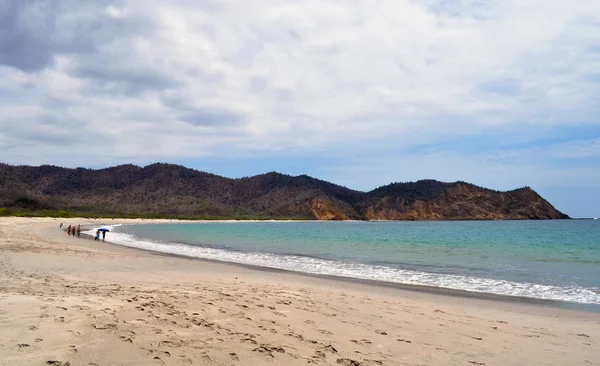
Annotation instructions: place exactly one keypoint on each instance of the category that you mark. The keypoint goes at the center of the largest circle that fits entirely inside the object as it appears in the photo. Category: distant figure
(97, 237)
(78, 231)
(61, 225)
(69, 230)
(103, 235)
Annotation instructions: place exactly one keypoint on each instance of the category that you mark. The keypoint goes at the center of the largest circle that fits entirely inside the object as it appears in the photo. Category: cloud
(141, 81)
(210, 117)
(24, 38)
(33, 32)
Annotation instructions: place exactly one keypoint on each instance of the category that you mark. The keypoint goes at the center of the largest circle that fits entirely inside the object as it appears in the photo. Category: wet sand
(70, 300)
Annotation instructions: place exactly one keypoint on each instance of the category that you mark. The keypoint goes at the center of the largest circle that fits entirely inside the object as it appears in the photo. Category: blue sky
(501, 93)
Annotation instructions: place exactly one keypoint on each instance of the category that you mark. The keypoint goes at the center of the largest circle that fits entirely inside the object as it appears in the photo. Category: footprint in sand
(23, 345)
(320, 354)
(362, 341)
(105, 326)
(330, 348)
(185, 359)
(347, 362)
(268, 350)
(292, 334)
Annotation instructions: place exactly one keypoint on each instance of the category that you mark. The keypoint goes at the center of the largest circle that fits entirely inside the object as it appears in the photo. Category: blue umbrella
(103, 229)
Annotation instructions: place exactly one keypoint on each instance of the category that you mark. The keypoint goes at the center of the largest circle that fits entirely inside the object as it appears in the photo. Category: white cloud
(113, 11)
(141, 81)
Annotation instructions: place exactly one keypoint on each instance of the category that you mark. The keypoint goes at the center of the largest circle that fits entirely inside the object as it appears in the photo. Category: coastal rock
(460, 201)
(323, 210)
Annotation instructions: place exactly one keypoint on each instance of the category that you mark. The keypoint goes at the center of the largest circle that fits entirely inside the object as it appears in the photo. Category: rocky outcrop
(463, 201)
(324, 211)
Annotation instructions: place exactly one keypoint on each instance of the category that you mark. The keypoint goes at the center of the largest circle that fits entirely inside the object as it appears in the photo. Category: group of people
(97, 237)
(73, 231)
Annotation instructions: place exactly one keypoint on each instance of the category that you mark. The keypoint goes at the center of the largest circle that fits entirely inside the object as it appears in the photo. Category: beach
(75, 301)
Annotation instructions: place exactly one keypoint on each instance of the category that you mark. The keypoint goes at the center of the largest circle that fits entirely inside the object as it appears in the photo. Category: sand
(71, 301)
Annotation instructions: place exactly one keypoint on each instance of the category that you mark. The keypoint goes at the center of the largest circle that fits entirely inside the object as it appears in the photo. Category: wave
(319, 266)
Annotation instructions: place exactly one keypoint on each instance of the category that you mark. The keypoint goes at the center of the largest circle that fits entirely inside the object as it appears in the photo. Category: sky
(362, 93)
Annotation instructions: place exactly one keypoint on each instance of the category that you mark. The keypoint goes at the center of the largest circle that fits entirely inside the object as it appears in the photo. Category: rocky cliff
(462, 201)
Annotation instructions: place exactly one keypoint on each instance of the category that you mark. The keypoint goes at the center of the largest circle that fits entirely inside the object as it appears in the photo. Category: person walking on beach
(78, 231)
(103, 235)
(97, 237)
(69, 230)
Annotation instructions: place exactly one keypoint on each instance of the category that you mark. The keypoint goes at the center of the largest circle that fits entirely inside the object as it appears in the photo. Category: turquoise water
(557, 260)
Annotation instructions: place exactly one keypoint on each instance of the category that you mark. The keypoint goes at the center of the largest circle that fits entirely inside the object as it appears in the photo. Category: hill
(166, 190)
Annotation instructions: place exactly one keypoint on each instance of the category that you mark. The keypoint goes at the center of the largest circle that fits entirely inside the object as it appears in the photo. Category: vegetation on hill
(172, 191)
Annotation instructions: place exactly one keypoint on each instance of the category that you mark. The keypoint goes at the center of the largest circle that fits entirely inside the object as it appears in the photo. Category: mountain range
(173, 191)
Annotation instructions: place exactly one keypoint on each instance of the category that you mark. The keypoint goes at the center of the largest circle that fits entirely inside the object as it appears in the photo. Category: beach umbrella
(103, 229)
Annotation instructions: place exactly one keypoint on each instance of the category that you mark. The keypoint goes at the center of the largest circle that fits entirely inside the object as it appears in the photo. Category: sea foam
(364, 271)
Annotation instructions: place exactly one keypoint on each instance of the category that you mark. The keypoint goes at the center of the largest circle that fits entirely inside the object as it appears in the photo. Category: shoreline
(71, 300)
(436, 290)
(442, 291)
(519, 302)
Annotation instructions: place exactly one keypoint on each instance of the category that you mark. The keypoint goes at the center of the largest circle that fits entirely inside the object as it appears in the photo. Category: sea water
(554, 260)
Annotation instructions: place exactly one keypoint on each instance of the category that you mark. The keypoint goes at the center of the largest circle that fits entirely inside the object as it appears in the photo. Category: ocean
(552, 260)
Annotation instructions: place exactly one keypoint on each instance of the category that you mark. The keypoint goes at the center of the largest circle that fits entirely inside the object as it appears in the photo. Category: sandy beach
(74, 301)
